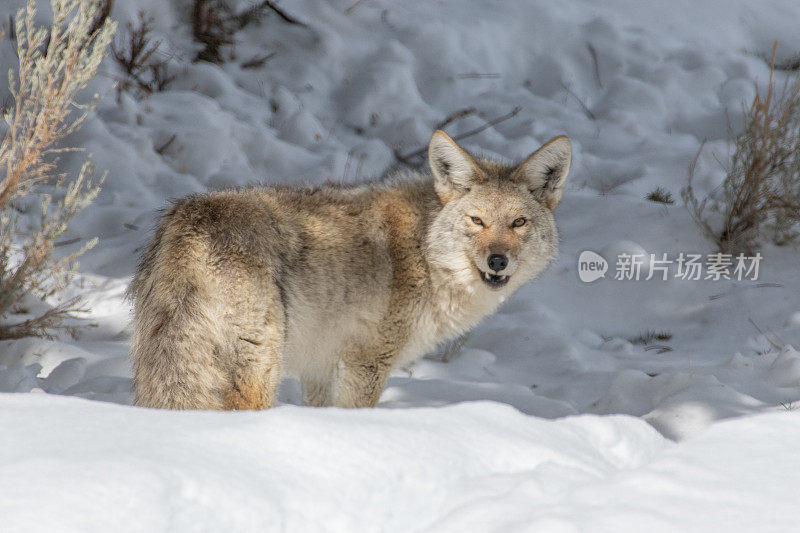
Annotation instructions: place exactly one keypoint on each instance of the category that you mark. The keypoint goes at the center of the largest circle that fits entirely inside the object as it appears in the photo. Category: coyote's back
(336, 285)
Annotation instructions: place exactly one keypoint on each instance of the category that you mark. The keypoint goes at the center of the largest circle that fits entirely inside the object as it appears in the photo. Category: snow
(510, 429)
(82, 465)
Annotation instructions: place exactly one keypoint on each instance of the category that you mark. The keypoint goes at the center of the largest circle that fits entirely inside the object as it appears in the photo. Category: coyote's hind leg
(255, 353)
(254, 380)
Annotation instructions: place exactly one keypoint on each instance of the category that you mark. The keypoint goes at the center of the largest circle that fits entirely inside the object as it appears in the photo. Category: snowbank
(77, 465)
(637, 86)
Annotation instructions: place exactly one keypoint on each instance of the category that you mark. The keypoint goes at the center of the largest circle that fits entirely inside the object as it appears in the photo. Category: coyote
(335, 284)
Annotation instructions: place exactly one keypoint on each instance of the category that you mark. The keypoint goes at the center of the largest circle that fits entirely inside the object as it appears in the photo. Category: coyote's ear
(545, 170)
(454, 170)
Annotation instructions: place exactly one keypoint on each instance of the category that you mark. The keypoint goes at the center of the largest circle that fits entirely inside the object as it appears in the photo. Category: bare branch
(456, 115)
(407, 159)
(282, 14)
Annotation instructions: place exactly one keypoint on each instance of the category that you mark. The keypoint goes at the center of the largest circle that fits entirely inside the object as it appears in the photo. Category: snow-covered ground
(91, 466)
(638, 86)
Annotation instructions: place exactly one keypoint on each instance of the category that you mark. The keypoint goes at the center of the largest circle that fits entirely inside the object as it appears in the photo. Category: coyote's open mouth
(494, 280)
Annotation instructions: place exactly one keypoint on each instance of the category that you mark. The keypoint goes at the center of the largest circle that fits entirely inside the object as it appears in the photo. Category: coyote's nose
(497, 262)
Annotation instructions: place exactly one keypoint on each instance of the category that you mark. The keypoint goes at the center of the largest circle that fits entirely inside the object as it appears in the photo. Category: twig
(51, 319)
(469, 75)
(693, 164)
(67, 242)
(361, 159)
(580, 102)
(660, 348)
(347, 165)
(282, 14)
(406, 159)
(456, 115)
(257, 61)
(353, 7)
(593, 53)
(385, 19)
(493, 122)
(163, 148)
(765, 335)
(756, 286)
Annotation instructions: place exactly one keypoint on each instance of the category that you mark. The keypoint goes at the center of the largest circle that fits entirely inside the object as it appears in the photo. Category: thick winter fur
(334, 284)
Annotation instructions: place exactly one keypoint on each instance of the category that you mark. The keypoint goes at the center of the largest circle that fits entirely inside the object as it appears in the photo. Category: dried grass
(760, 195)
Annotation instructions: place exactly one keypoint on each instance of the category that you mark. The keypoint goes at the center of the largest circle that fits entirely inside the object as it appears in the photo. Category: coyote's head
(496, 224)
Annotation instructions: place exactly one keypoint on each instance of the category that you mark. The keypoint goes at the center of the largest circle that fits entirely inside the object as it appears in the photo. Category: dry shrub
(211, 27)
(145, 69)
(761, 191)
(55, 64)
(660, 195)
(215, 22)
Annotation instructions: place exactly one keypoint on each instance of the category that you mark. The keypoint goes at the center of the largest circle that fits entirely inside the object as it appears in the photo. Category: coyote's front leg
(318, 392)
(362, 380)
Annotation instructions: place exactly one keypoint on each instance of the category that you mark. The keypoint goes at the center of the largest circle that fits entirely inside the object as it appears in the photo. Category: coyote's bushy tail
(178, 330)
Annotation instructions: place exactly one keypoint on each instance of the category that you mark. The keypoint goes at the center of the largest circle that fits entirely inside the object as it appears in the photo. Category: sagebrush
(55, 64)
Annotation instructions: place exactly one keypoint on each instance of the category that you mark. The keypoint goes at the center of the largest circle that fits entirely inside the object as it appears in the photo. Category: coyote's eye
(477, 220)
(519, 222)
